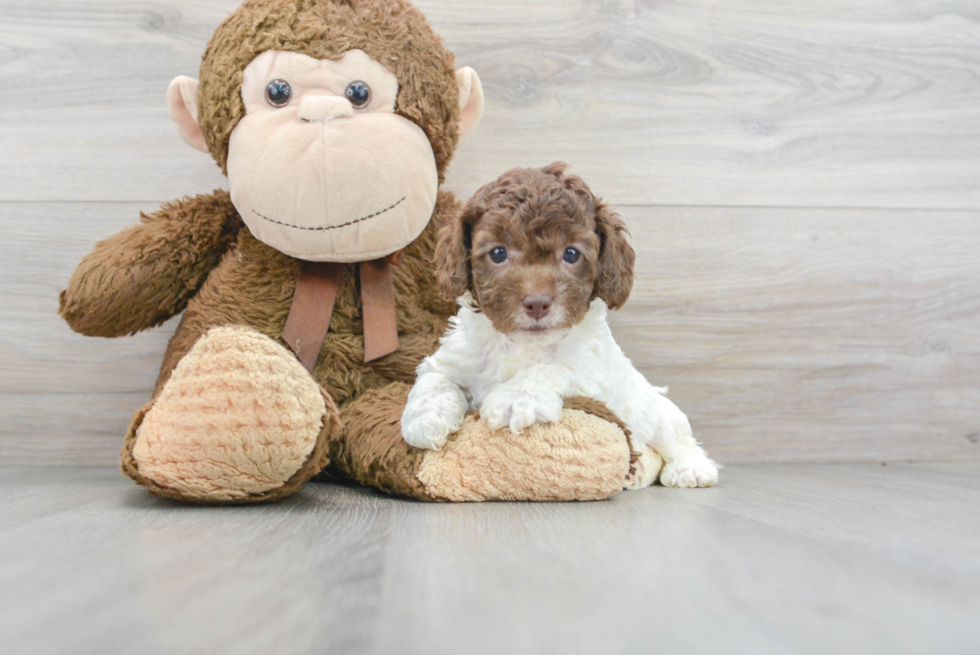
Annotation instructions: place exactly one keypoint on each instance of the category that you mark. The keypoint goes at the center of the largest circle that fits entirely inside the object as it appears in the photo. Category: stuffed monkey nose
(324, 108)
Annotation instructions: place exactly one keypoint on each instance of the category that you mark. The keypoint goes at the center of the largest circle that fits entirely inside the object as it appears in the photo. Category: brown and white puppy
(538, 259)
(535, 247)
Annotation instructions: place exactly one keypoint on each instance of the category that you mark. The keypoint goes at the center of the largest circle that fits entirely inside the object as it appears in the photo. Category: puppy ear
(614, 279)
(453, 250)
(556, 169)
(616, 258)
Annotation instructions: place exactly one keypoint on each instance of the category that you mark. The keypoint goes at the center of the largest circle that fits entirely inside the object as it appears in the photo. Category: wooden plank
(811, 335)
(147, 584)
(762, 103)
(786, 335)
(64, 398)
(93, 122)
(778, 559)
(660, 571)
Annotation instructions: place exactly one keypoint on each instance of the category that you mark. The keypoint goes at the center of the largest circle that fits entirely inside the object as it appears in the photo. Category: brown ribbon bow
(313, 301)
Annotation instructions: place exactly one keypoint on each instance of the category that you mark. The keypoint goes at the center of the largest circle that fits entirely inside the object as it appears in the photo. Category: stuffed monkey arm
(142, 276)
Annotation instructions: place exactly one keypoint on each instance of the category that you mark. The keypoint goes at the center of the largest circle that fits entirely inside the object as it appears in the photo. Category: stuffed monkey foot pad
(238, 419)
(579, 457)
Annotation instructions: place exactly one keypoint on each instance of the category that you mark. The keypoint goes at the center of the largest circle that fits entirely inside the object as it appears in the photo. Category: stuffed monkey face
(321, 168)
(331, 155)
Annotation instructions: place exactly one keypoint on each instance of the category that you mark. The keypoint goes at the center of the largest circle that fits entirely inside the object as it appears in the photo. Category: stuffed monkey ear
(453, 247)
(470, 101)
(616, 258)
(182, 101)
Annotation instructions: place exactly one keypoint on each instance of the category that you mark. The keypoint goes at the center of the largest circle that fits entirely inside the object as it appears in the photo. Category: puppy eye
(358, 93)
(571, 255)
(278, 93)
(498, 255)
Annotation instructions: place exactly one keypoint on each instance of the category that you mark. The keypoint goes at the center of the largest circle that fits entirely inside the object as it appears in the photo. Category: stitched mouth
(330, 227)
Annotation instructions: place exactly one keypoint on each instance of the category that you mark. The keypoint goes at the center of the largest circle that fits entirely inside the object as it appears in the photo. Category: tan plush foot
(240, 419)
(578, 457)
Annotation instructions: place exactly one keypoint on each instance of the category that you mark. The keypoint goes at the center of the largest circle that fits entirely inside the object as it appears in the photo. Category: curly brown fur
(534, 216)
(392, 32)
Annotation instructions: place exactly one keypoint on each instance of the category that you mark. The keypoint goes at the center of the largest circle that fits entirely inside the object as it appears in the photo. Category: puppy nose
(537, 306)
(324, 108)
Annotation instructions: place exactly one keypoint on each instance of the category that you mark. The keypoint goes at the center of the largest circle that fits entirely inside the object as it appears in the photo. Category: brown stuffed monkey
(307, 290)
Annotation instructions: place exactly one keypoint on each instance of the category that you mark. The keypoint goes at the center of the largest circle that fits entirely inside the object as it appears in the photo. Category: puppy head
(535, 247)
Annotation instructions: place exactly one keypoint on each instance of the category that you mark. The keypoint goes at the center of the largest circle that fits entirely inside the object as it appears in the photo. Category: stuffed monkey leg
(585, 455)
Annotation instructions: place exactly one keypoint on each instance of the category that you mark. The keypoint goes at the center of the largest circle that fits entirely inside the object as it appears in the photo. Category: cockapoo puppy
(537, 259)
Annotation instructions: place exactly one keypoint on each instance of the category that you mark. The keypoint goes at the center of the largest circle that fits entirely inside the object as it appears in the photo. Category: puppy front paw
(694, 470)
(427, 423)
(518, 409)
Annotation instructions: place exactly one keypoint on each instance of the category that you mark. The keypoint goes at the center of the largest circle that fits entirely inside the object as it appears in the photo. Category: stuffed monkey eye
(498, 255)
(278, 93)
(571, 255)
(358, 93)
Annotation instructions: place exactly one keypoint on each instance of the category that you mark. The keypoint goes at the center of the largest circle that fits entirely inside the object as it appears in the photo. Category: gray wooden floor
(832, 558)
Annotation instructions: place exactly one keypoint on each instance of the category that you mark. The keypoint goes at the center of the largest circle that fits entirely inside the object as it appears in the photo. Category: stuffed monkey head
(334, 120)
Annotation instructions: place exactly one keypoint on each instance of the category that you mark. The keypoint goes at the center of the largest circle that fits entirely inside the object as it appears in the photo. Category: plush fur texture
(578, 458)
(372, 450)
(516, 360)
(586, 455)
(190, 441)
(144, 275)
(566, 460)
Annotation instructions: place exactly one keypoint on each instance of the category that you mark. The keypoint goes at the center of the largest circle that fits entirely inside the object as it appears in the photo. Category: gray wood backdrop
(802, 180)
